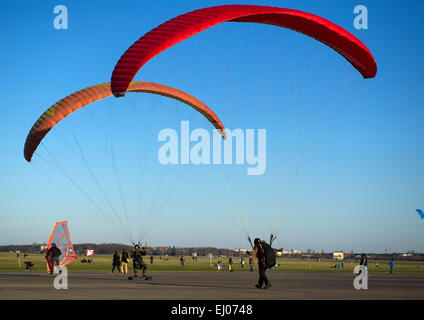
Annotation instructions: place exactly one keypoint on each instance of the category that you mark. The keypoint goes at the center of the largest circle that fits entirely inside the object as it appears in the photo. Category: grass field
(9, 262)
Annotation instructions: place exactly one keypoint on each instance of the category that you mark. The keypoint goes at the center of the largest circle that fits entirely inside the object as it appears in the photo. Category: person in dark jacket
(259, 252)
(364, 264)
(52, 257)
(28, 265)
(138, 263)
(116, 262)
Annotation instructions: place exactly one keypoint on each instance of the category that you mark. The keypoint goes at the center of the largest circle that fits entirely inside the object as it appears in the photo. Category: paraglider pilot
(138, 263)
(259, 252)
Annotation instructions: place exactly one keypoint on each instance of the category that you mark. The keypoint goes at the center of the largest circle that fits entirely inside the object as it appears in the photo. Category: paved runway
(209, 286)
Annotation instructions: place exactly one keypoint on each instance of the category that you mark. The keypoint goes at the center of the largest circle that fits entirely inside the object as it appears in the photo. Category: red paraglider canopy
(184, 26)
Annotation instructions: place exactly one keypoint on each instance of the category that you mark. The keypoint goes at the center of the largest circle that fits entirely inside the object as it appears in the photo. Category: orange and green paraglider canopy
(81, 98)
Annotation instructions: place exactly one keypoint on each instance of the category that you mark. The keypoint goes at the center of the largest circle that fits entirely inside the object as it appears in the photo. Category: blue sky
(360, 178)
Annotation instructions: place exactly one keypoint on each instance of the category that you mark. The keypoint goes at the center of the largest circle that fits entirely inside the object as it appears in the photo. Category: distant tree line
(110, 248)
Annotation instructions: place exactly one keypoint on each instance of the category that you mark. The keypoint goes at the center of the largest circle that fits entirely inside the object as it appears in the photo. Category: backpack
(269, 255)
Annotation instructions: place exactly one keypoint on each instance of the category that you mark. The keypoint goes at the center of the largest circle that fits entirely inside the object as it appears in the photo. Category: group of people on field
(364, 264)
(120, 262)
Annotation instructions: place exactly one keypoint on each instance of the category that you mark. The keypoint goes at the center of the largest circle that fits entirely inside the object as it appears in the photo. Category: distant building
(338, 255)
(291, 252)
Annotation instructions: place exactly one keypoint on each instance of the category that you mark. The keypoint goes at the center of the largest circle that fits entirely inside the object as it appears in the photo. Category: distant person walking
(364, 264)
(116, 262)
(151, 259)
(251, 262)
(259, 252)
(124, 262)
(391, 265)
(230, 264)
(182, 260)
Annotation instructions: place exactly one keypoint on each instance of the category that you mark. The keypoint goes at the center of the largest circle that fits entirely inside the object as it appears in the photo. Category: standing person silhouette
(52, 257)
(116, 262)
(259, 252)
(124, 261)
(391, 265)
(138, 262)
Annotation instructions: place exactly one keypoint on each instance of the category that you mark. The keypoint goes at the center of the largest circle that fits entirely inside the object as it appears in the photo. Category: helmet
(53, 244)
(257, 240)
